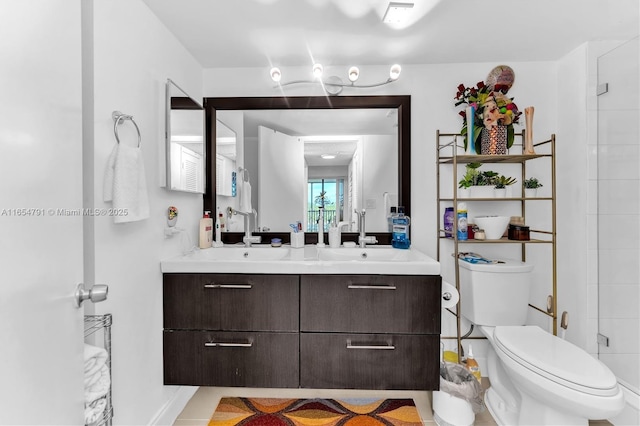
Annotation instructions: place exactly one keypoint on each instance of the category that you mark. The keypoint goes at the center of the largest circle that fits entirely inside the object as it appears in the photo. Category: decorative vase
(471, 148)
(528, 133)
(530, 192)
(172, 222)
(493, 141)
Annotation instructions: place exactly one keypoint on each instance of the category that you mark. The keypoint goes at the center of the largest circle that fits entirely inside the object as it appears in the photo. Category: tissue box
(297, 239)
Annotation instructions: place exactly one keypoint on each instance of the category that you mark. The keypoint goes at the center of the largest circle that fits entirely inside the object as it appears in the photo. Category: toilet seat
(555, 359)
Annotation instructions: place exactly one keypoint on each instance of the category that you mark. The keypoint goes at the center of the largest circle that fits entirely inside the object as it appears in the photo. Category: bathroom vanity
(266, 317)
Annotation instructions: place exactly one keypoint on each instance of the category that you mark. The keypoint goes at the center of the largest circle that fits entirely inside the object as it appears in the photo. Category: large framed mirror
(280, 141)
(185, 146)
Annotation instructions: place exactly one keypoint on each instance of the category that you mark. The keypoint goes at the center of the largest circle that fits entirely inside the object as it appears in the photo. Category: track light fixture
(333, 85)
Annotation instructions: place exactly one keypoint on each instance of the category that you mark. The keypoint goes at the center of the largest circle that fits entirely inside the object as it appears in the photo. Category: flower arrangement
(173, 212)
(492, 107)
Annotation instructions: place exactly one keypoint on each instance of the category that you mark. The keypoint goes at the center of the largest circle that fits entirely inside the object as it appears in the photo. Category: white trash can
(449, 410)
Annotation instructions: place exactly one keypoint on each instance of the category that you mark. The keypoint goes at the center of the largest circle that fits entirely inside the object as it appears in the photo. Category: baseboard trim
(170, 411)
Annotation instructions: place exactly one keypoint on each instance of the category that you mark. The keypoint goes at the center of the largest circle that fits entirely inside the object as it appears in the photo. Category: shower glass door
(618, 154)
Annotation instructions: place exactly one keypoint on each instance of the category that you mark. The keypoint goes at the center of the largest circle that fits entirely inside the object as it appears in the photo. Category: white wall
(134, 54)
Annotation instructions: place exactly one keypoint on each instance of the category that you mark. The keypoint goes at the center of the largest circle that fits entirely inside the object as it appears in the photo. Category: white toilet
(536, 378)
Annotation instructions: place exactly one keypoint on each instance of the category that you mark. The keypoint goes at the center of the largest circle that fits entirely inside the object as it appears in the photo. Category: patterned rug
(315, 412)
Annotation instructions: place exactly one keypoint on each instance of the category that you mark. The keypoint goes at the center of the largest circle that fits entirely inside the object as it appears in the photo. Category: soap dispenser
(334, 234)
(206, 231)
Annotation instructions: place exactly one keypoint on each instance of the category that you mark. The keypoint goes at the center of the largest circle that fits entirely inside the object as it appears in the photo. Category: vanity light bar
(334, 85)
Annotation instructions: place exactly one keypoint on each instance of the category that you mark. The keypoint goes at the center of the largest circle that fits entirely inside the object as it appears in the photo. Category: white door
(41, 331)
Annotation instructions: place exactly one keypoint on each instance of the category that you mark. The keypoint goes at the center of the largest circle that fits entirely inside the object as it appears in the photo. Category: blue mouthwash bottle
(400, 237)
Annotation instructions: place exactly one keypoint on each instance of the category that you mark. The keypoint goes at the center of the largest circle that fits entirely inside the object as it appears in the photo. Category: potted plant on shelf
(531, 186)
(482, 184)
(501, 184)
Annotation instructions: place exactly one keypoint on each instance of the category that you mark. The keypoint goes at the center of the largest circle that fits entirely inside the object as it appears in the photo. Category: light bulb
(394, 72)
(354, 73)
(276, 75)
(317, 70)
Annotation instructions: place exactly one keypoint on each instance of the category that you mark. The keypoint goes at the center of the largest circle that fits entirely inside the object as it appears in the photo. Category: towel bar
(119, 118)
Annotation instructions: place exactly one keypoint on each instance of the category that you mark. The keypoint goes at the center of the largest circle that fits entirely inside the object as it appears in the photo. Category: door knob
(96, 294)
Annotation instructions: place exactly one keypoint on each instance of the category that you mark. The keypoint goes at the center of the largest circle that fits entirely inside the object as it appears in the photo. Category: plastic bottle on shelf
(400, 236)
(462, 221)
(472, 365)
(448, 222)
(206, 231)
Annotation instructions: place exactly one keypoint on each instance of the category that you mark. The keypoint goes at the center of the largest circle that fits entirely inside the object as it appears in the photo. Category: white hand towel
(245, 197)
(94, 359)
(125, 184)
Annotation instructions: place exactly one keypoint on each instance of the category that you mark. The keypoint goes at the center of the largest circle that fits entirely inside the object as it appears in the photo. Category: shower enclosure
(618, 209)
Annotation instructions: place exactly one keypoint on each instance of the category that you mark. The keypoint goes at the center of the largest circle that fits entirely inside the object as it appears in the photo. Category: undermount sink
(308, 260)
(254, 253)
(369, 254)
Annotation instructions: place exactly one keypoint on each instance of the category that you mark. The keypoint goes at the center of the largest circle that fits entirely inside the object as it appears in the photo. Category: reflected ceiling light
(328, 156)
(333, 85)
(317, 71)
(354, 73)
(394, 72)
(397, 12)
(276, 75)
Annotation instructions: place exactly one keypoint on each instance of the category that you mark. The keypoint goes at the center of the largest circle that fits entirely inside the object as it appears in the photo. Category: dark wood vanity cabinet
(369, 331)
(231, 330)
(312, 331)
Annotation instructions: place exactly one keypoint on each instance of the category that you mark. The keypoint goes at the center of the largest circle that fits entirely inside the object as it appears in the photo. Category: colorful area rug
(315, 412)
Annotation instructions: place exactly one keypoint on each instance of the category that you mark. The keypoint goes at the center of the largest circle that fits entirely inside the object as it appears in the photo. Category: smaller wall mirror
(186, 155)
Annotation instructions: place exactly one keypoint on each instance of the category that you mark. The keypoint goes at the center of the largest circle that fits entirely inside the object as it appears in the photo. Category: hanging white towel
(245, 197)
(125, 184)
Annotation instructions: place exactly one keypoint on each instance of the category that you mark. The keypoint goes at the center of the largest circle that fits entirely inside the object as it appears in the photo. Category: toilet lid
(555, 359)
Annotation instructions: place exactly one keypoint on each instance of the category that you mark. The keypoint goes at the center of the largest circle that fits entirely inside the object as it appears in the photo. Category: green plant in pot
(532, 183)
(502, 181)
(531, 186)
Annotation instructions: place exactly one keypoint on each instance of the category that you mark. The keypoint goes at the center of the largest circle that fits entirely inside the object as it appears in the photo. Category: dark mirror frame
(402, 103)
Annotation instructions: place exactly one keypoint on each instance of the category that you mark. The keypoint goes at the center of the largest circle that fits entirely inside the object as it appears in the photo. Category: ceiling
(262, 33)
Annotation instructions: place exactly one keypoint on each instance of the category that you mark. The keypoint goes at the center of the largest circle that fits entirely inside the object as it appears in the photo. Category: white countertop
(264, 259)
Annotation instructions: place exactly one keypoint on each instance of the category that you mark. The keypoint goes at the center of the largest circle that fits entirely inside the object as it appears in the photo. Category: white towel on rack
(93, 412)
(125, 184)
(99, 387)
(94, 359)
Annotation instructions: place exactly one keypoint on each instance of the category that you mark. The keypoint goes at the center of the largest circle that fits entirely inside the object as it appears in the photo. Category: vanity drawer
(369, 361)
(204, 358)
(370, 303)
(231, 302)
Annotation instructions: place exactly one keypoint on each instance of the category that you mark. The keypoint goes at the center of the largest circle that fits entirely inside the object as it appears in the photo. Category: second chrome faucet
(363, 240)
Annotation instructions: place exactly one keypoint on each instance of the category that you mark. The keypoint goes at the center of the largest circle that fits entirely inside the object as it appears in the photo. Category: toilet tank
(495, 294)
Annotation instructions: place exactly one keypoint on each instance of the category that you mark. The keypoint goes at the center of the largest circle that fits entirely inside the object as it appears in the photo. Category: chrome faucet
(248, 239)
(363, 240)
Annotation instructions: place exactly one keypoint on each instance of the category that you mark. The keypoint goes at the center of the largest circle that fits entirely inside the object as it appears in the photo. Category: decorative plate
(501, 76)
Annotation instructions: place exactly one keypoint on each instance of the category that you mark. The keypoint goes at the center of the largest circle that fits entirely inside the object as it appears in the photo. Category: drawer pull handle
(240, 286)
(371, 347)
(228, 344)
(372, 287)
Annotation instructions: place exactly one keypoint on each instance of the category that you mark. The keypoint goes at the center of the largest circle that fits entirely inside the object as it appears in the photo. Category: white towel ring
(119, 118)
